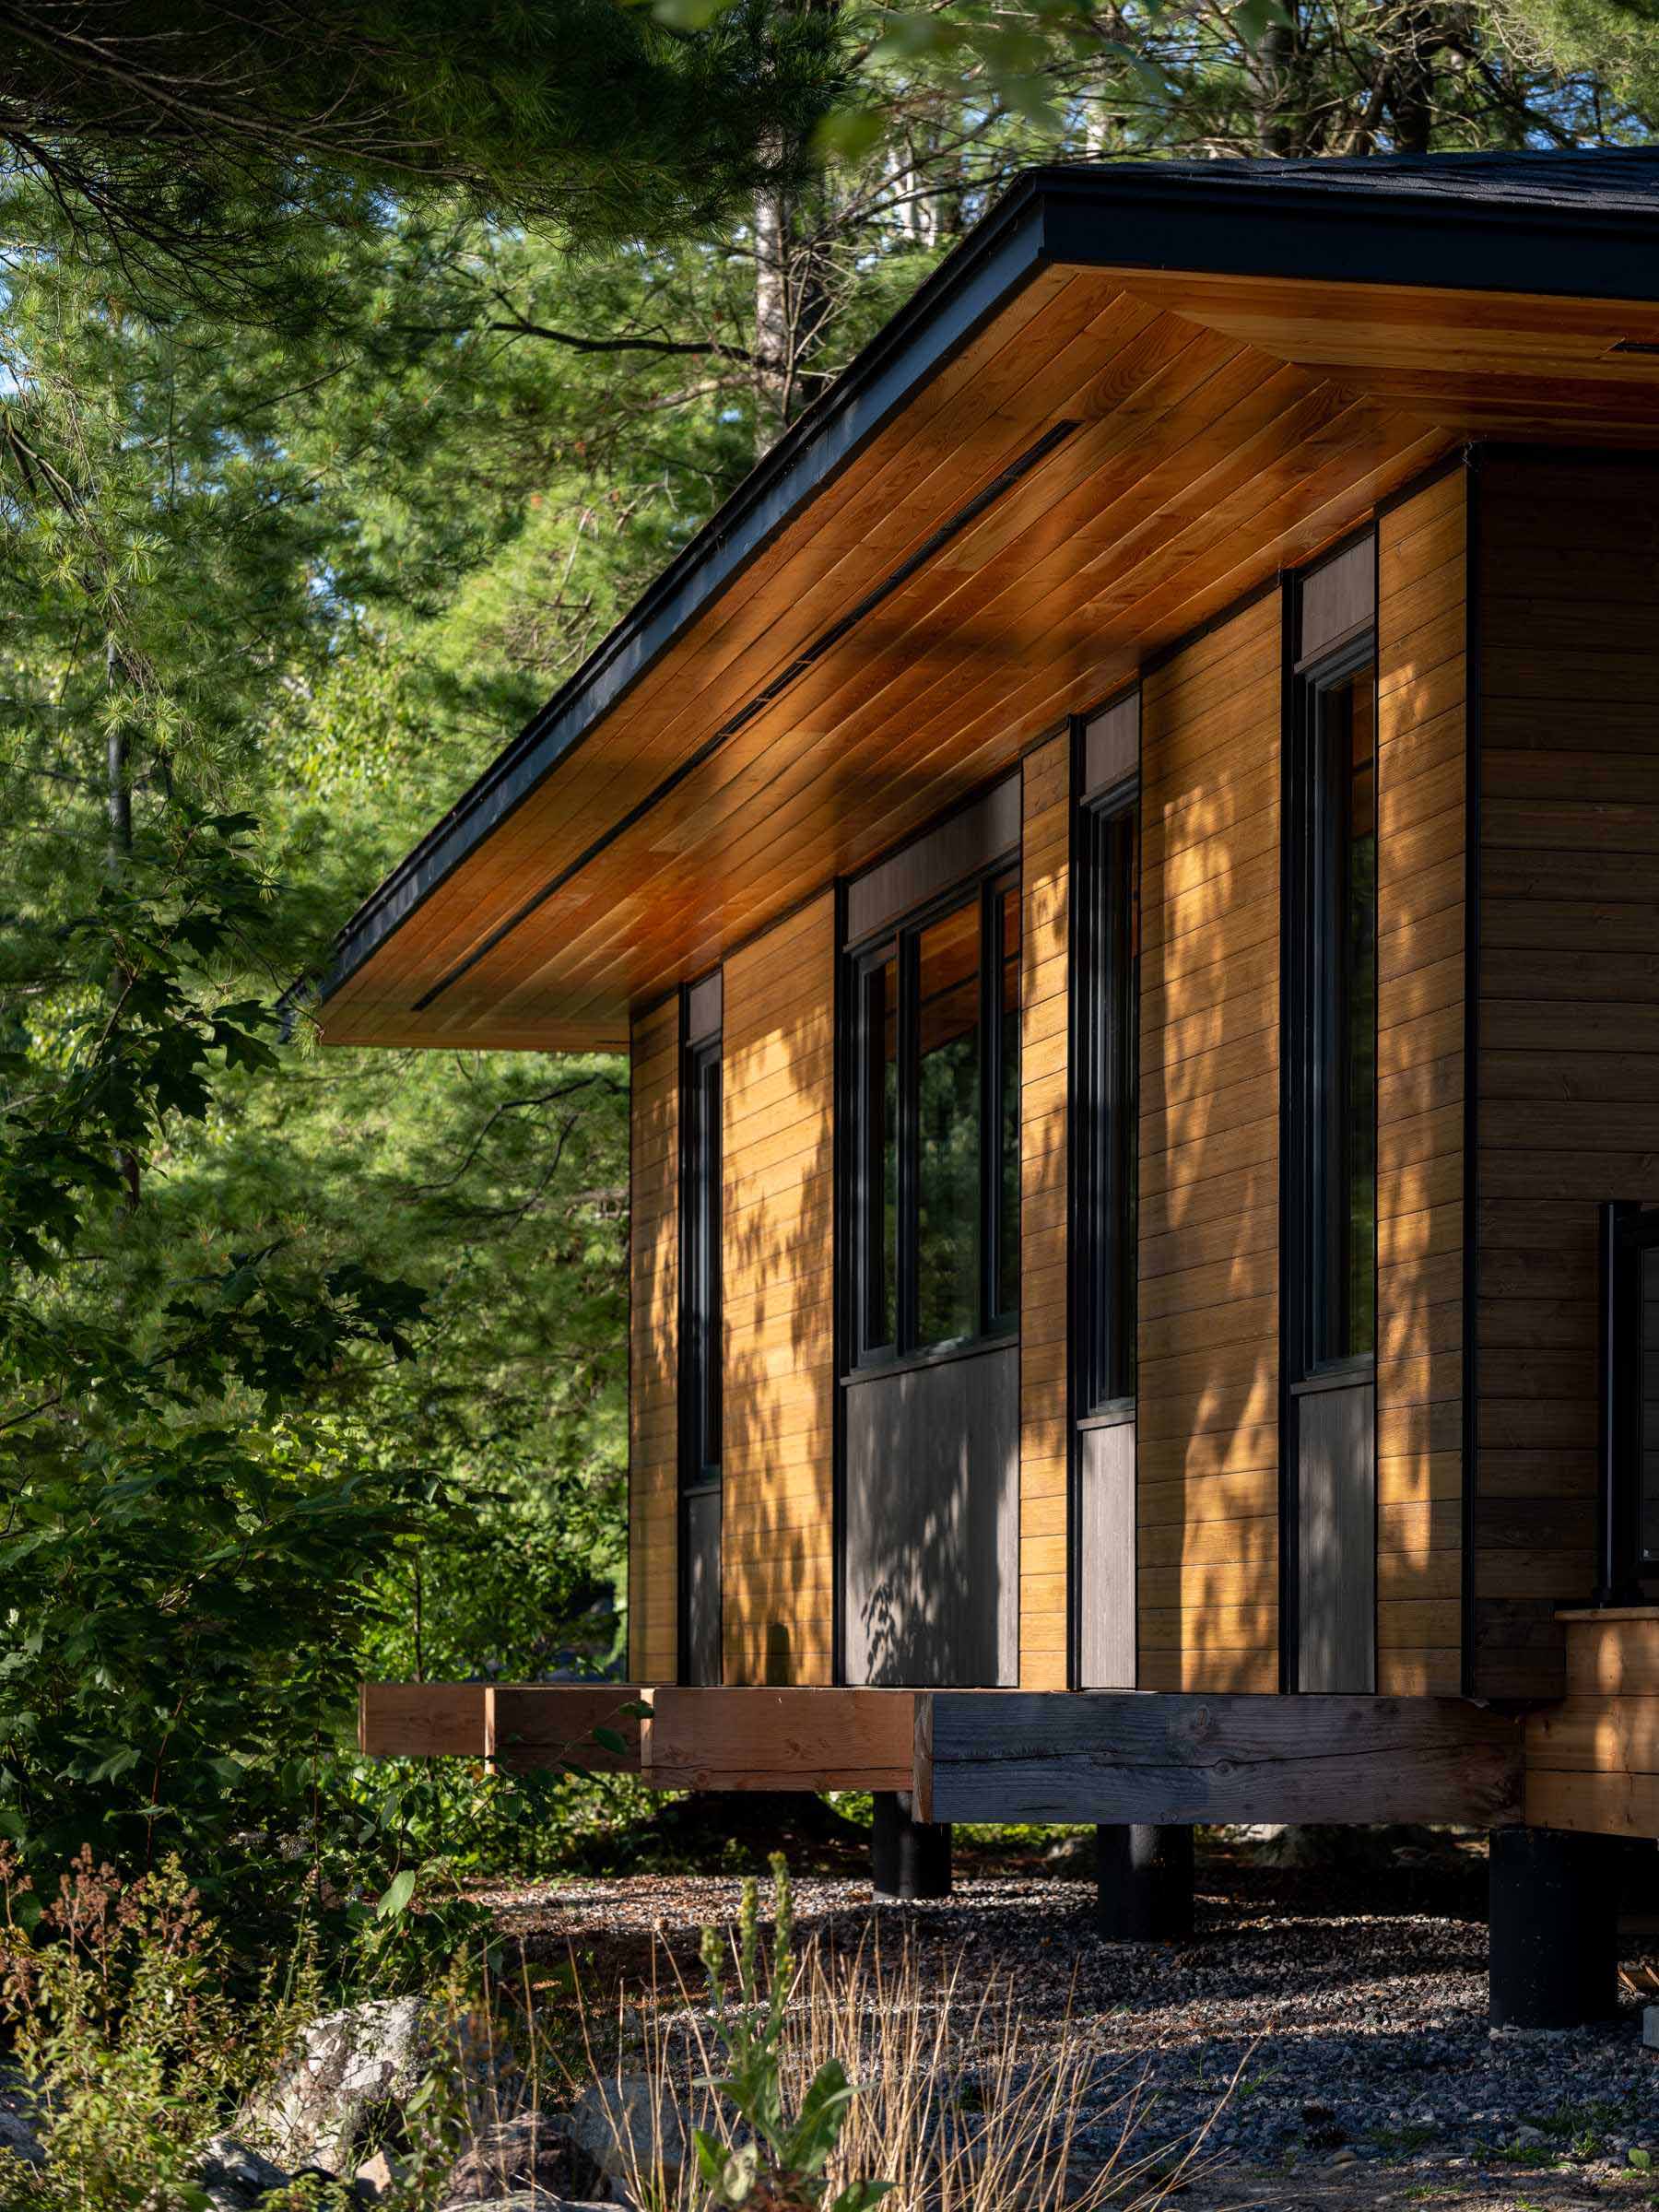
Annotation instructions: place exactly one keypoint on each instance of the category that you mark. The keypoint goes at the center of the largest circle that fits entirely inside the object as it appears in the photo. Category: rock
(375, 2178)
(1649, 2026)
(1528, 2138)
(627, 2126)
(340, 2095)
(234, 2178)
(523, 2200)
(17, 2131)
(18, 2138)
(532, 2150)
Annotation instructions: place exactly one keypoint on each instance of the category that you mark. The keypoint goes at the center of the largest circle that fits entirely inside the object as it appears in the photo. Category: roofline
(1309, 222)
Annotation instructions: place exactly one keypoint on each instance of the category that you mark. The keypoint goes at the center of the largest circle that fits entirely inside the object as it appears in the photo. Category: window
(700, 1315)
(1334, 1009)
(700, 1349)
(1108, 959)
(936, 1126)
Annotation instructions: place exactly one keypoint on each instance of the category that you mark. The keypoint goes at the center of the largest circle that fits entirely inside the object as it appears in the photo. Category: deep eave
(1579, 228)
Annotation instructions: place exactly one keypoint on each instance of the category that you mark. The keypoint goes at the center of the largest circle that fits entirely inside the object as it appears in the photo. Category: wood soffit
(1103, 462)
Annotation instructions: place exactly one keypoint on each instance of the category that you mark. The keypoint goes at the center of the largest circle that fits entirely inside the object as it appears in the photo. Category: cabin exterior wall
(777, 1577)
(1044, 1014)
(1567, 957)
(1196, 1600)
(1422, 774)
(653, 1345)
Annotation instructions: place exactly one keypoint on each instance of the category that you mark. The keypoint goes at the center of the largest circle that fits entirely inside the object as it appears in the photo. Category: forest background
(337, 427)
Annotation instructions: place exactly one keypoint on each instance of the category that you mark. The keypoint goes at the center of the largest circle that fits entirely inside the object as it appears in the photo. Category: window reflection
(948, 1075)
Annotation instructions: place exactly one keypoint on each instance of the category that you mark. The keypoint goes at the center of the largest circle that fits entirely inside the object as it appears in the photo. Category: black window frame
(702, 1420)
(1106, 1098)
(1315, 1029)
(898, 941)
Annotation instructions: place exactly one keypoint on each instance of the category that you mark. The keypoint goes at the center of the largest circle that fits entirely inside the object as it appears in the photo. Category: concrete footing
(909, 1858)
(1146, 1882)
(1553, 1914)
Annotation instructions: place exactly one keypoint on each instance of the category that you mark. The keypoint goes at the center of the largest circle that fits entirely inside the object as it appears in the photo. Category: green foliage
(116, 1998)
(780, 2161)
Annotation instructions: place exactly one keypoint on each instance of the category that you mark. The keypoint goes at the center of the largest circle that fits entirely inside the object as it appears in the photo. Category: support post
(909, 1858)
(1553, 1915)
(1146, 1882)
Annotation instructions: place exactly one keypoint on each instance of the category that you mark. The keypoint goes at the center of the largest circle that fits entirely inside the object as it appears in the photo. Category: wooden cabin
(1125, 861)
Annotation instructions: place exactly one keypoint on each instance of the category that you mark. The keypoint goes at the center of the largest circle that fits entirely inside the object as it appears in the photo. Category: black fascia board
(937, 322)
(1436, 223)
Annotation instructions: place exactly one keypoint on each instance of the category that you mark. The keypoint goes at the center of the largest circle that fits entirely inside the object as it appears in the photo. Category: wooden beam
(421, 1720)
(780, 1739)
(515, 1726)
(1131, 1756)
(545, 1724)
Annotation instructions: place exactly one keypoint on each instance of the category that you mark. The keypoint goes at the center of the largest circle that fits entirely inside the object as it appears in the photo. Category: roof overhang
(1128, 398)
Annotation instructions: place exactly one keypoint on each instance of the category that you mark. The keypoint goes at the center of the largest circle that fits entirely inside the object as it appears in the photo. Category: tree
(205, 142)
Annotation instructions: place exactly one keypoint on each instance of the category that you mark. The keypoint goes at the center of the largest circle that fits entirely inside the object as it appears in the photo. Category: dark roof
(1572, 225)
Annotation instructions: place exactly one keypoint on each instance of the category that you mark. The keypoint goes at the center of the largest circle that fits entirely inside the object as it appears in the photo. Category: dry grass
(959, 2105)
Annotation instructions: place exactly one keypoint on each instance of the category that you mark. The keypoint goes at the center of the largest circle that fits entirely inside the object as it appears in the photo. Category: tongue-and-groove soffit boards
(1100, 462)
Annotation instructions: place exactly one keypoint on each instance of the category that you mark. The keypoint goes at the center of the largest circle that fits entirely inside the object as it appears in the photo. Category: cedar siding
(1568, 569)
(1423, 752)
(1043, 1356)
(653, 1347)
(1208, 1380)
(778, 1062)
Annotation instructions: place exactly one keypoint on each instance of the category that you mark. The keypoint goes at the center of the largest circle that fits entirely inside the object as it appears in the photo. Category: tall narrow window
(937, 1103)
(701, 1392)
(1333, 1069)
(703, 1316)
(1106, 935)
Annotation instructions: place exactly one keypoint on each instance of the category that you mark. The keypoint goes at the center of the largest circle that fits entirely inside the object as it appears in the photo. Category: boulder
(340, 2095)
(524, 2200)
(532, 2150)
(233, 2178)
(19, 2133)
(626, 2128)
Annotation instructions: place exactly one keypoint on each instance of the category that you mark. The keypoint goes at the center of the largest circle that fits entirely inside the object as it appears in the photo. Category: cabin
(1126, 862)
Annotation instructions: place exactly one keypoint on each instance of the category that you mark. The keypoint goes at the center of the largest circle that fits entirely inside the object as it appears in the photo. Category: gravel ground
(1361, 2067)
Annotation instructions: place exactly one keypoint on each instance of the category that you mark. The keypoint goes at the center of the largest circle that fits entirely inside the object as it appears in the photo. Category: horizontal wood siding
(1422, 756)
(777, 1121)
(1043, 1028)
(1207, 1396)
(1568, 1018)
(1592, 1759)
(653, 1347)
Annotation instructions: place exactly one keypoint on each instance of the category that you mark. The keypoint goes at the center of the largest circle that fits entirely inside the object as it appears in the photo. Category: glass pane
(1007, 1257)
(947, 1179)
(1359, 1022)
(1650, 1404)
(881, 1164)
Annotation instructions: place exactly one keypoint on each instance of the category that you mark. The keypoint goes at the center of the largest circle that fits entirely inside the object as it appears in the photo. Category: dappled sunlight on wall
(1208, 1335)
(1044, 1008)
(779, 1074)
(1422, 772)
(653, 1347)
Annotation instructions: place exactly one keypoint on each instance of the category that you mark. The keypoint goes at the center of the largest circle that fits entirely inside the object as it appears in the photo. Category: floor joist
(780, 1740)
(1127, 1756)
(515, 1726)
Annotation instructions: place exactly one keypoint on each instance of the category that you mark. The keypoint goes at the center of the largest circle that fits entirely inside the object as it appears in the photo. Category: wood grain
(654, 1349)
(1568, 1023)
(1099, 1755)
(1422, 778)
(1044, 1080)
(780, 1739)
(1208, 1257)
(777, 1130)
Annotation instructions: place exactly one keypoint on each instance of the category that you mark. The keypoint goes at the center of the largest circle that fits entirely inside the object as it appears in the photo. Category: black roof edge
(1333, 219)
